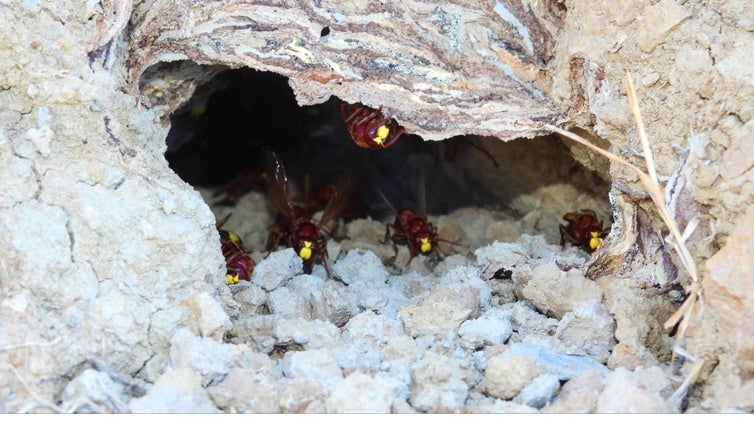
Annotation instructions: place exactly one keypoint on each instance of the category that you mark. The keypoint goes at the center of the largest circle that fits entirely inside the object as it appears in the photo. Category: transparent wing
(277, 185)
(343, 190)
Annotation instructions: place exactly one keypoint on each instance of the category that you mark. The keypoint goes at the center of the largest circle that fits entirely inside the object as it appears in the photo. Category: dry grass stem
(654, 188)
(683, 389)
(30, 344)
(652, 185)
(40, 402)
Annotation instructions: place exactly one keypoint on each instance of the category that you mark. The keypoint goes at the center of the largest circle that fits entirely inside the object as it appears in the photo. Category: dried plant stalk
(652, 185)
(656, 192)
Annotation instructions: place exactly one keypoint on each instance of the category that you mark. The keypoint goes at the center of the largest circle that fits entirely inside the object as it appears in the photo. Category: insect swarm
(583, 230)
(237, 260)
(294, 226)
(369, 128)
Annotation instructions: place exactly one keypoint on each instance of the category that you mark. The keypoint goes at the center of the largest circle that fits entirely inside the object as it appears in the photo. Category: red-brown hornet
(294, 225)
(583, 230)
(237, 260)
(370, 128)
(413, 229)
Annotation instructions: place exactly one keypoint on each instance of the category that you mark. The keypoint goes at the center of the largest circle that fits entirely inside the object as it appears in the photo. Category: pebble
(277, 269)
(564, 366)
(176, 391)
(539, 392)
(493, 327)
(209, 358)
(316, 364)
(506, 375)
(360, 393)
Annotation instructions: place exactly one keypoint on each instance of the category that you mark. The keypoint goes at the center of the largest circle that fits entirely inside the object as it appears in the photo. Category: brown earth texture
(122, 123)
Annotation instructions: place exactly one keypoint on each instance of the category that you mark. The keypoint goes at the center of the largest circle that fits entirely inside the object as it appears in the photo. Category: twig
(116, 376)
(40, 401)
(682, 390)
(17, 346)
(654, 188)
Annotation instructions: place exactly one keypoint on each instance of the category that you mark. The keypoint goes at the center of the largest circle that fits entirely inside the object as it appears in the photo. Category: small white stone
(277, 269)
(360, 393)
(507, 375)
(176, 392)
(209, 358)
(316, 364)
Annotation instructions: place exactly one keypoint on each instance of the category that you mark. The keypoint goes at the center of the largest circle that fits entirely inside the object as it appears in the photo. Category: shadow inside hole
(233, 119)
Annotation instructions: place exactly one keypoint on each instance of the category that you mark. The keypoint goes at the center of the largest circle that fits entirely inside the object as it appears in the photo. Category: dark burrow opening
(228, 124)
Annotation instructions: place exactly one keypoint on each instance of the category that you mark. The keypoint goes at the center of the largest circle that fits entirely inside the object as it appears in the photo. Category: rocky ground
(113, 294)
(505, 327)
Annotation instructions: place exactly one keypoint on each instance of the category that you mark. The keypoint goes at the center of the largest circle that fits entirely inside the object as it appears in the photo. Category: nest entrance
(225, 127)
